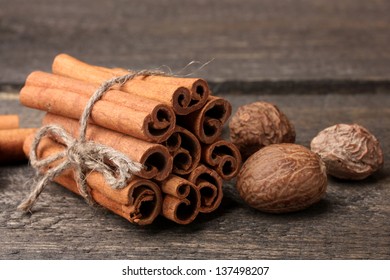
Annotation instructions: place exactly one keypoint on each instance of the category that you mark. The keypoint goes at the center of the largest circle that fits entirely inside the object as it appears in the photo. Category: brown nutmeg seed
(259, 124)
(349, 151)
(282, 178)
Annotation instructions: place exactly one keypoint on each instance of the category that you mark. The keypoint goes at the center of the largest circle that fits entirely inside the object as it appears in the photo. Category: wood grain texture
(249, 39)
(351, 222)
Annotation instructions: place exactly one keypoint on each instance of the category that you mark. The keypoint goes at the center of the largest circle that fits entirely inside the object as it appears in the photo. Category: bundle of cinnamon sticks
(171, 125)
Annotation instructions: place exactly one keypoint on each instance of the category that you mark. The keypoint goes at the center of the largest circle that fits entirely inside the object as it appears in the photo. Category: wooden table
(321, 63)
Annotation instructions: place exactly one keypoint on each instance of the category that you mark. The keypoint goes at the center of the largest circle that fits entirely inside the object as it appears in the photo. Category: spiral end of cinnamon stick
(215, 114)
(185, 101)
(158, 163)
(160, 124)
(207, 123)
(225, 157)
(181, 203)
(200, 93)
(185, 150)
(209, 184)
(145, 202)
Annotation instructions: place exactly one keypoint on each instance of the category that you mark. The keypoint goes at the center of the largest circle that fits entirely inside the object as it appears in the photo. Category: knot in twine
(84, 156)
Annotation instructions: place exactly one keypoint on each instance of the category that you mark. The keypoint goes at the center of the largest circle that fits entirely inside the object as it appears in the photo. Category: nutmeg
(349, 151)
(259, 124)
(282, 178)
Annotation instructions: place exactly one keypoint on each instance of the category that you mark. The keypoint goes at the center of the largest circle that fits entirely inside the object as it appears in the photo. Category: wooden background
(321, 62)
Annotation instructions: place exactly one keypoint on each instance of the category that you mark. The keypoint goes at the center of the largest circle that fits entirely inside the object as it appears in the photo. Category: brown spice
(139, 202)
(182, 100)
(349, 151)
(259, 124)
(198, 87)
(224, 157)
(104, 113)
(181, 201)
(179, 198)
(207, 123)
(11, 144)
(155, 157)
(153, 121)
(9, 121)
(282, 178)
(209, 184)
(185, 150)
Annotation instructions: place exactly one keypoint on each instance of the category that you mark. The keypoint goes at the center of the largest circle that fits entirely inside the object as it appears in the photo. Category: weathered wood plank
(352, 222)
(249, 39)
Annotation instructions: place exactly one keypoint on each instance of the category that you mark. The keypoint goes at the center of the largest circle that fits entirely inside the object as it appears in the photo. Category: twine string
(84, 156)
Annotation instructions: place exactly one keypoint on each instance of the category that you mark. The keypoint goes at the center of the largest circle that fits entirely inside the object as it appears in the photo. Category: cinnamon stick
(153, 121)
(209, 184)
(185, 150)
(179, 97)
(224, 157)
(104, 113)
(198, 87)
(207, 123)
(11, 144)
(9, 121)
(155, 157)
(181, 202)
(139, 202)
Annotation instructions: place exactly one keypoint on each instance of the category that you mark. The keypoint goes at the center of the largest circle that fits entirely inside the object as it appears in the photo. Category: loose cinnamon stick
(224, 157)
(181, 202)
(207, 123)
(179, 97)
(11, 144)
(155, 157)
(185, 150)
(9, 121)
(209, 184)
(153, 121)
(104, 113)
(139, 202)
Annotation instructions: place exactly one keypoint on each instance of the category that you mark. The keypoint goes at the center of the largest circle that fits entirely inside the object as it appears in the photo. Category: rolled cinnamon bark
(224, 157)
(153, 126)
(198, 87)
(9, 121)
(185, 150)
(207, 123)
(144, 201)
(179, 97)
(155, 157)
(11, 144)
(209, 184)
(181, 202)
(139, 202)
(157, 120)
